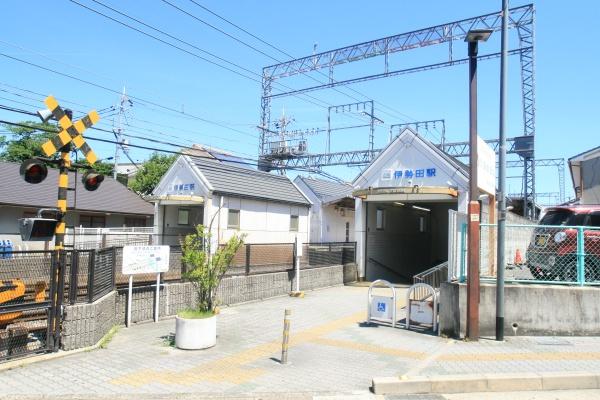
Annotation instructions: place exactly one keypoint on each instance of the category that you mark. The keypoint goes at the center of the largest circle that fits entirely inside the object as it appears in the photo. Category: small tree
(151, 172)
(206, 270)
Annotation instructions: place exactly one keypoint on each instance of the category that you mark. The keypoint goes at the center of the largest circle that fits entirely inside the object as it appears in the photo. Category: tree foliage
(206, 270)
(151, 172)
(24, 143)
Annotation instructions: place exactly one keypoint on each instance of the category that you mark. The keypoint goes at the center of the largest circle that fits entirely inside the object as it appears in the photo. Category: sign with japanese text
(145, 259)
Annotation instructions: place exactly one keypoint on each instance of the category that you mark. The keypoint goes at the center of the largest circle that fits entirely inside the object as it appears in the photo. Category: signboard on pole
(486, 167)
(145, 259)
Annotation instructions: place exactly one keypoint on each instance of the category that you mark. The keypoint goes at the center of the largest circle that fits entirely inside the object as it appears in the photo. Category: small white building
(332, 214)
(402, 203)
(267, 208)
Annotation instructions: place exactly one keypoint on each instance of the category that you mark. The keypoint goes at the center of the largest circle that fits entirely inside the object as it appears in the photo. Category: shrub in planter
(197, 328)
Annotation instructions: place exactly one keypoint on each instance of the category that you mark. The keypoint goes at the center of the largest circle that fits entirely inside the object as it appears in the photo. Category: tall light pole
(502, 178)
(473, 38)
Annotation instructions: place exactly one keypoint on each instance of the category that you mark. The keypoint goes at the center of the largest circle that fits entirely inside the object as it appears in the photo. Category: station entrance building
(402, 201)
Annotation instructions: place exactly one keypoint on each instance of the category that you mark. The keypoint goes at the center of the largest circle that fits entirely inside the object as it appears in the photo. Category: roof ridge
(216, 163)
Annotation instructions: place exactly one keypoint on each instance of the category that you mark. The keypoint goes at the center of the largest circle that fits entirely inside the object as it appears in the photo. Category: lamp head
(478, 35)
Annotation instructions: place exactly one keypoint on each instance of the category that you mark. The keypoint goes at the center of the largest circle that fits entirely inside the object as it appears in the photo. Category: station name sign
(389, 174)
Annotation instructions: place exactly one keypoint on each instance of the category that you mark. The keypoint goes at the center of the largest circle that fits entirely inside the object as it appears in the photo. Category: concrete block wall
(538, 310)
(85, 324)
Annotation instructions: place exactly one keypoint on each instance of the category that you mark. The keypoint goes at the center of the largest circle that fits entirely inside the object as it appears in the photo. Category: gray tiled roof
(327, 189)
(244, 182)
(111, 196)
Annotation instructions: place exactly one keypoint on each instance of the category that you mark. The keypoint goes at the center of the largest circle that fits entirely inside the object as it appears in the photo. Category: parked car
(552, 253)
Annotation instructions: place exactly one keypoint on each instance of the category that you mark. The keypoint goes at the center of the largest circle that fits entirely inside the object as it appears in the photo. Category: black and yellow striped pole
(286, 335)
(71, 132)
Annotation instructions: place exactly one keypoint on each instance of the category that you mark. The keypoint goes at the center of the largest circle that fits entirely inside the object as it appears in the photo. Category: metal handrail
(389, 269)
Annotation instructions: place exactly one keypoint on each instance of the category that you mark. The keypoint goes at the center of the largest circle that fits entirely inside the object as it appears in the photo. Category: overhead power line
(282, 52)
(139, 99)
(240, 160)
(134, 128)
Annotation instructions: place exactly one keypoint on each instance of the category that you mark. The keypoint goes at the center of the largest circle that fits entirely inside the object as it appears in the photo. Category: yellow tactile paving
(348, 344)
(229, 369)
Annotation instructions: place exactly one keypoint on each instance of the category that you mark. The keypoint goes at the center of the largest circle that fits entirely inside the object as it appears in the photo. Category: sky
(179, 98)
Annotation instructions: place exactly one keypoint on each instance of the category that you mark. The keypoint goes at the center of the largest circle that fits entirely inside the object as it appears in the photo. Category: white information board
(486, 167)
(421, 312)
(381, 307)
(145, 259)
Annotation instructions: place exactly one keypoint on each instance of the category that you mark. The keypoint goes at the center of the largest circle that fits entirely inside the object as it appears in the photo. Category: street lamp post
(473, 38)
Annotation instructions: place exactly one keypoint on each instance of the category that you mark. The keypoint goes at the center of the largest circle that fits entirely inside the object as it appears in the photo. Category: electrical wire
(259, 80)
(135, 128)
(138, 99)
(241, 161)
(290, 56)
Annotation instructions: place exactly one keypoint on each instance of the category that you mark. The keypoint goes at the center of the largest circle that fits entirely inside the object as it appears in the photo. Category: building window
(183, 216)
(92, 221)
(233, 219)
(134, 221)
(380, 223)
(294, 223)
(347, 231)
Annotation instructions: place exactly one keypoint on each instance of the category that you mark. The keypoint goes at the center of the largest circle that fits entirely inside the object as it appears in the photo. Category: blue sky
(75, 41)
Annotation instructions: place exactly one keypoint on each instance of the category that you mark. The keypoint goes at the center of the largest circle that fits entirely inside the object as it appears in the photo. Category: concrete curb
(470, 383)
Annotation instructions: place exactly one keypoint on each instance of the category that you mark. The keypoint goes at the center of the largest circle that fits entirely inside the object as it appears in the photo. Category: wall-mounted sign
(145, 259)
(183, 187)
(408, 173)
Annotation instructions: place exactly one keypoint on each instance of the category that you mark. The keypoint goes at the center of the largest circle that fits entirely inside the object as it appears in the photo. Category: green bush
(205, 269)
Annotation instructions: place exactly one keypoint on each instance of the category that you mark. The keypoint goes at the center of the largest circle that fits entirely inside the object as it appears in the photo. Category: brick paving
(330, 352)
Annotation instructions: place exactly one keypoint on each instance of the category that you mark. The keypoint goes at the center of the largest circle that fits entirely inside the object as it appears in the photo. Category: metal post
(91, 272)
(501, 262)
(473, 267)
(157, 301)
(286, 335)
(580, 256)
(248, 250)
(129, 295)
(297, 259)
(328, 130)
(73, 281)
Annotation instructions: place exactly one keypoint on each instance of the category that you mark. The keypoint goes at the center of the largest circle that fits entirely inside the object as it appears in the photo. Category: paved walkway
(331, 352)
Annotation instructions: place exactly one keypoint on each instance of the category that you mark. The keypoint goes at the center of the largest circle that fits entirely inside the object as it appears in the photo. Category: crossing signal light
(33, 171)
(37, 229)
(91, 180)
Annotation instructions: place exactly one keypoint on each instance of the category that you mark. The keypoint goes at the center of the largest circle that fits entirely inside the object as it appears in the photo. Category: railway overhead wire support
(417, 126)
(521, 19)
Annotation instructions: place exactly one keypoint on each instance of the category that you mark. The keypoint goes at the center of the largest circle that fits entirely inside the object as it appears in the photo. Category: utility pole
(502, 179)
(473, 38)
(124, 103)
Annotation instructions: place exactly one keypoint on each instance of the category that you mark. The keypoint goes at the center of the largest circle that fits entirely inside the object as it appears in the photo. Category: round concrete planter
(195, 334)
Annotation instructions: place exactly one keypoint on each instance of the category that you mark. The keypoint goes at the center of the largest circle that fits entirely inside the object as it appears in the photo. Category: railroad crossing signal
(70, 132)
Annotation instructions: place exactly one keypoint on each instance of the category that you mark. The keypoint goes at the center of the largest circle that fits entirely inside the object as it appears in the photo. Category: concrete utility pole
(502, 179)
(473, 38)
(118, 130)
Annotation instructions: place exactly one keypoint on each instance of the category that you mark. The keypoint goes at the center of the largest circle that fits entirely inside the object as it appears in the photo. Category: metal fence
(94, 238)
(254, 258)
(541, 254)
(26, 287)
